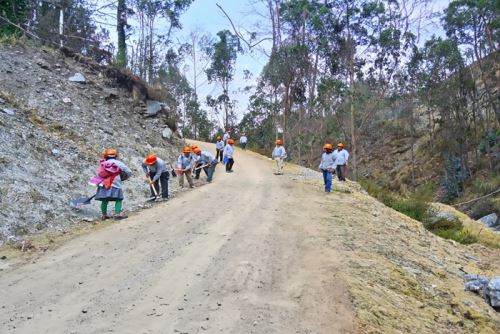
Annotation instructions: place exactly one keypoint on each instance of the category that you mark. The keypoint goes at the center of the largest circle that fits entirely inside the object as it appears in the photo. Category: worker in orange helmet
(341, 159)
(185, 164)
(219, 148)
(228, 155)
(327, 166)
(110, 174)
(279, 155)
(226, 136)
(157, 174)
(206, 161)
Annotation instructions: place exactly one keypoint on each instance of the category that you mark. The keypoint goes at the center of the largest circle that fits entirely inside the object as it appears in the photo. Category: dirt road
(245, 254)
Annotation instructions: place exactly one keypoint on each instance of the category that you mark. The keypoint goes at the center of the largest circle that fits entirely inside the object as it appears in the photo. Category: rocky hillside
(57, 114)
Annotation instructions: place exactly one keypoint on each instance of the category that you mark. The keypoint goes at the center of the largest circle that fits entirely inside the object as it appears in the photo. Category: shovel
(154, 188)
(203, 166)
(78, 202)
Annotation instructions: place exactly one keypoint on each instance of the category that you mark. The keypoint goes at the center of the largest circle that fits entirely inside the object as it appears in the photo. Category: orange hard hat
(151, 159)
(279, 142)
(328, 147)
(340, 145)
(193, 146)
(197, 151)
(219, 137)
(230, 141)
(110, 153)
(186, 149)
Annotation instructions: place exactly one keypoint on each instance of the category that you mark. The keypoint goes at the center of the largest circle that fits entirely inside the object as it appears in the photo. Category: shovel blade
(77, 202)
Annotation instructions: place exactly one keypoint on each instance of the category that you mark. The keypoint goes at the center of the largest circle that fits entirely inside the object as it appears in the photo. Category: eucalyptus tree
(223, 54)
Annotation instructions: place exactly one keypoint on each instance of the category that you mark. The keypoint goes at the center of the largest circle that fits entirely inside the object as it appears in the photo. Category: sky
(204, 17)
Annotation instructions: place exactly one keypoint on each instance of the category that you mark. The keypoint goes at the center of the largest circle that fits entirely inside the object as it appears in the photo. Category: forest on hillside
(412, 92)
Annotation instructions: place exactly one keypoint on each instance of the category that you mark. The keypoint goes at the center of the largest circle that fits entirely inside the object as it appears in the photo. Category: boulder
(445, 215)
(77, 77)
(490, 220)
(492, 292)
(475, 282)
(56, 152)
(152, 107)
(167, 133)
(8, 111)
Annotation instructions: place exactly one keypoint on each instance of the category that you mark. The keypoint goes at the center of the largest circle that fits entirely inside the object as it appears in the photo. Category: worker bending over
(157, 174)
(185, 164)
(206, 161)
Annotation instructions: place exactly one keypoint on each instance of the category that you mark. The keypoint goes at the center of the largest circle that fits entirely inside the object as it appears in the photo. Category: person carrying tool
(342, 156)
(243, 141)
(196, 171)
(226, 136)
(327, 166)
(219, 147)
(206, 161)
(228, 155)
(279, 155)
(156, 173)
(185, 164)
(109, 189)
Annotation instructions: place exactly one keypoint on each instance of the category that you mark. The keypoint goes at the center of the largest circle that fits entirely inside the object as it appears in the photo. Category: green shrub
(451, 229)
(417, 207)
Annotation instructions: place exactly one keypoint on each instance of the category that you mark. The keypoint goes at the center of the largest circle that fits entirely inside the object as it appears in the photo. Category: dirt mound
(53, 129)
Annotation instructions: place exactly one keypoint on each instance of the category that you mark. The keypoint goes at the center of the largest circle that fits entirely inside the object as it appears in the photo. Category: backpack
(107, 169)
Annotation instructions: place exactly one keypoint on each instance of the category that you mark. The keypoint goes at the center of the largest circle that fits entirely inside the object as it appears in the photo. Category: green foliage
(223, 54)
(451, 229)
(15, 11)
(418, 208)
(11, 39)
(475, 23)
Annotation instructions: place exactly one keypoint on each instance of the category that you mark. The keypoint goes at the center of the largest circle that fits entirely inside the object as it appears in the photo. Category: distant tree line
(345, 70)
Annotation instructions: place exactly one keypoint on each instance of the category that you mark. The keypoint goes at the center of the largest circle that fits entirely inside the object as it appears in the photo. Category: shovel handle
(152, 184)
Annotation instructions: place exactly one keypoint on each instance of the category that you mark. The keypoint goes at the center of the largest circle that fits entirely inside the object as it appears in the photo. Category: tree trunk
(121, 18)
(61, 27)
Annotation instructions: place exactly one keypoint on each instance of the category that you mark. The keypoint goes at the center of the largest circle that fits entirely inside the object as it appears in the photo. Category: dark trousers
(229, 165)
(197, 172)
(163, 180)
(211, 170)
(243, 145)
(218, 155)
(341, 170)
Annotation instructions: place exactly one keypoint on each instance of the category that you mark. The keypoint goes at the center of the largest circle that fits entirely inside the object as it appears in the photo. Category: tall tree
(223, 53)
(121, 25)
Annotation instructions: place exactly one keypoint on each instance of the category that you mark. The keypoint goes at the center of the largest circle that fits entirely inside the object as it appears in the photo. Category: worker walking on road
(185, 164)
(342, 156)
(226, 136)
(109, 189)
(219, 148)
(327, 166)
(157, 174)
(209, 162)
(228, 155)
(243, 141)
(279, 155)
